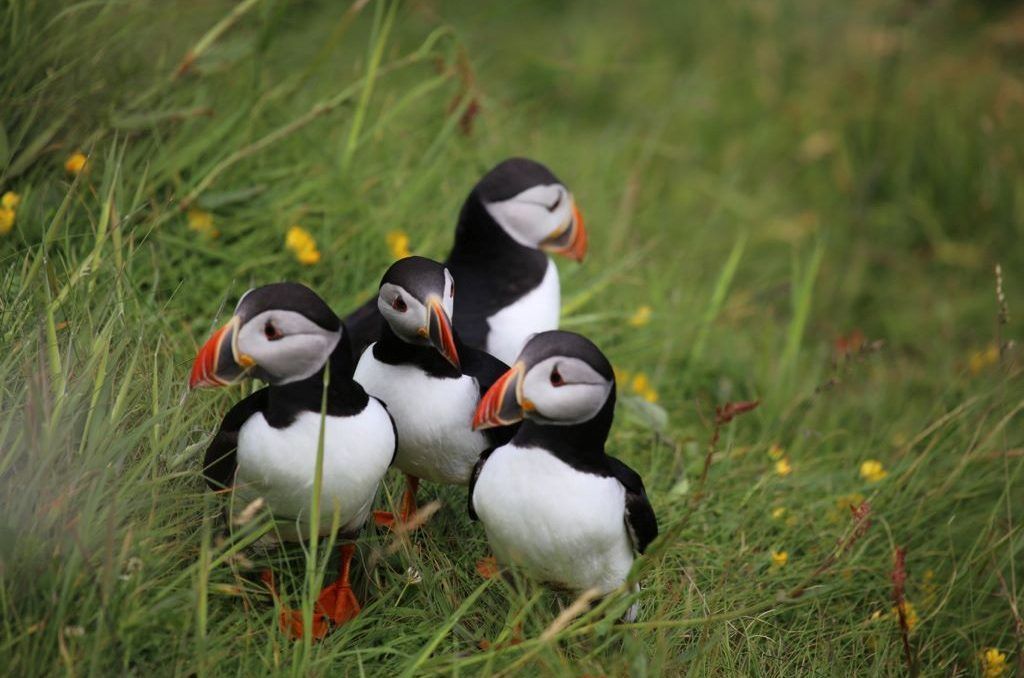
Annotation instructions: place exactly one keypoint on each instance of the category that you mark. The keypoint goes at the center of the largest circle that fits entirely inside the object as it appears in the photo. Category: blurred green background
(796, 202)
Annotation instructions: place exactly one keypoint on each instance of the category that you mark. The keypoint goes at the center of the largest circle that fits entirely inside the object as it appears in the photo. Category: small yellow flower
(775, 452)
(76, 163)
(641, 317)
(993, 663)
(302, 244)
(308, 257)
(911, 613)
(641, 385)
(783, 467)
(201, 221)
(778, 512)
(398, 243)
(10, 200)
(779, 558)
(6, 220)
(8, 211)
(979, 360)
(872, 471)
(621, 375)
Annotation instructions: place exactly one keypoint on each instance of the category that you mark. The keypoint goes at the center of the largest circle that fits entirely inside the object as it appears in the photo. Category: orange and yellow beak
(217, 363)
(503, 404)
(571, 239)
(439, 332)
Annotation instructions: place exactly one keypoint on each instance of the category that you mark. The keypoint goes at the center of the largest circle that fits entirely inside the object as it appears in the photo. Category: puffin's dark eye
(556, 378)
(399, 304)
(452, 292)
(558, 201)
(271, 332)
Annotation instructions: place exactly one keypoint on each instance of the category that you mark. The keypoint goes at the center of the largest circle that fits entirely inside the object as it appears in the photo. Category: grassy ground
(810, 198)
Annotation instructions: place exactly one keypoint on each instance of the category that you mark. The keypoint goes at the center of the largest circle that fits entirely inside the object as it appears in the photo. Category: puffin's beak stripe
(570, 241)
(501, 406)
(439, 331)
(215, 364)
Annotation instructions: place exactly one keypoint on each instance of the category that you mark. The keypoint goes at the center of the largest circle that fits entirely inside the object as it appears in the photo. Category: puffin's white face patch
(403, 312)
(407, 315)
(565, 391)
(534, 214)
(285, 345)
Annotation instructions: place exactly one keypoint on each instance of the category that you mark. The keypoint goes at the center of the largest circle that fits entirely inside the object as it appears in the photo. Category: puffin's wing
(363, 327)
(472, 480)
(641, 523)
(394, 430)
(220, 462)
(486, 369)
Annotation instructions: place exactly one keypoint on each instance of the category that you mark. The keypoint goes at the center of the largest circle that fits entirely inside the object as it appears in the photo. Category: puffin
(551, 500)
(266, 447)
(431, 381)
(516, 215)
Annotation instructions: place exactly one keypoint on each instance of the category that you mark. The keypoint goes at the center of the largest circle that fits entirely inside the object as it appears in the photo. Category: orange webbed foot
(488, 567)
(339, 603)
(290, 621)
(407, 510)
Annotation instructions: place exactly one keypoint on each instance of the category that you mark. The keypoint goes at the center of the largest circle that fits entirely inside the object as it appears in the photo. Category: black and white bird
(509, 288)
(552, 501)
(287, 336)
(430, 381)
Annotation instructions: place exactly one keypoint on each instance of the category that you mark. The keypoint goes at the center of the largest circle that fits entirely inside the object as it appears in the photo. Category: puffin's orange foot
(390, 520)
(339, 603)
(291, 624)
(290, 620)
(384, 518)
(488, 567)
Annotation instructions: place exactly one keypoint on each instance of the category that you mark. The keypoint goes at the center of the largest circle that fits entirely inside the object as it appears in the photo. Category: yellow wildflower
(302, 244)
(783, 467)
(308, 257)
(641, 385)
(201, 221)
(641, 317)
(778, 512)
(6, 220)
(76, 162)
(8, 211)
(911, 613)
(993, 663)
(779, 558)
(775, 452)
(872, 471)
(979, 360)
(621, 375)
(398, 243)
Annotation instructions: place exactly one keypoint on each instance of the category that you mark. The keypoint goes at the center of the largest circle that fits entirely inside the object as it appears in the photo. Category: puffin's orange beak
(216, 364)
(502, 404)
(439, 331)
(571, 239)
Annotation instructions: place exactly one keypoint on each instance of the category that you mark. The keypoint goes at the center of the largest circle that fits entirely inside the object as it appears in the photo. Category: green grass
(767, 177)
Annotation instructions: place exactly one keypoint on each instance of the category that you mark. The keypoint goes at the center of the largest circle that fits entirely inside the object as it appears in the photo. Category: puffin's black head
(279, 333)
(533, 207)
(416, 298)
(559, 378)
